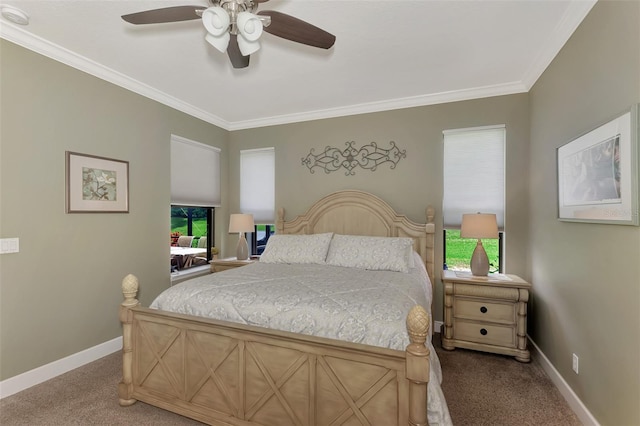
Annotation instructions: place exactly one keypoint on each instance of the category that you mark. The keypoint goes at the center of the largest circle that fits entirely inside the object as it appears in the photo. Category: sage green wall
(586, 295)
(417, 179)
(59, 295)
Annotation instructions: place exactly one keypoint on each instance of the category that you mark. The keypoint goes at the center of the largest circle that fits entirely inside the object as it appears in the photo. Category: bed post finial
(418, 365)
(129, 290)
(431, 213)
(280, 221)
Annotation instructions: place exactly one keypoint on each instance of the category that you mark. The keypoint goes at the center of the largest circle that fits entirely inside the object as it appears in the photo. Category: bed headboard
(353, 212)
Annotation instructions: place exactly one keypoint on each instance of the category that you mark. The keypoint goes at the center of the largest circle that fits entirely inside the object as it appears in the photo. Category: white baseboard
(574, 402)
(38, 375)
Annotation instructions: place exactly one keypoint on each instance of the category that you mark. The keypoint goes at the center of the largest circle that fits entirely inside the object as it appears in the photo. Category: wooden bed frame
(224, 373)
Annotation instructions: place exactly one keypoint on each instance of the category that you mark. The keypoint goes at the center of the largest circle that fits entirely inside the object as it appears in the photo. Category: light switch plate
(9, 245)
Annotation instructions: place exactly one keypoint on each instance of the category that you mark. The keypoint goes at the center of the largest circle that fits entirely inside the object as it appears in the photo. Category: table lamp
(479, 225)
(241, 223)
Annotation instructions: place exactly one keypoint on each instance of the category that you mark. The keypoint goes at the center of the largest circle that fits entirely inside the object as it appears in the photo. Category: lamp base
(242, 252)
(479, 261)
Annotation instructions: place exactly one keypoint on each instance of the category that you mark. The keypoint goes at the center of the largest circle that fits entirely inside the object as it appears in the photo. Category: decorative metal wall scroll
(368, 157)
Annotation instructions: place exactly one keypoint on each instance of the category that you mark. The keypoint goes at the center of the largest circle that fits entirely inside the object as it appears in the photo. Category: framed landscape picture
(598, 174)
(96, 184)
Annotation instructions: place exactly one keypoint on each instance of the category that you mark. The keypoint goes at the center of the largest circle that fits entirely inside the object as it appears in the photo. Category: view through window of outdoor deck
(190, 227)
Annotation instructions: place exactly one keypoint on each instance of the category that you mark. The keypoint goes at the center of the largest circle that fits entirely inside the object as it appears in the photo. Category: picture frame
(96, 184)
(598, 174)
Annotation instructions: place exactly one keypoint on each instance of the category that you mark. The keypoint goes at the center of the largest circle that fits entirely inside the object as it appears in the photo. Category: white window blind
(257, 184)
(195, 173)
(473, 173)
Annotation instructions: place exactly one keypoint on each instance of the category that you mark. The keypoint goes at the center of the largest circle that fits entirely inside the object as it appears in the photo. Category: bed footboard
(225, 373)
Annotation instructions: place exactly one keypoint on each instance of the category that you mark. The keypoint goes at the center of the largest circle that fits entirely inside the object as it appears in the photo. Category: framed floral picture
(598, 174)
(96, 184)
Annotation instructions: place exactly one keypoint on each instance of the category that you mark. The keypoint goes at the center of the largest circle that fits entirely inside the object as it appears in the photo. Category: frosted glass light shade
(249, 26)
(216, 21)
(249, 31)
(248, 47)
(221, 42)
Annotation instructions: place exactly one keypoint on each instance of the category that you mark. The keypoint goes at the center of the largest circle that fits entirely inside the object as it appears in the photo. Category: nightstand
(220, 265)
(486, 313)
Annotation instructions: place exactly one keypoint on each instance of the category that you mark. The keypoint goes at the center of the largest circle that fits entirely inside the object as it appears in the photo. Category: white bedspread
(348, 304)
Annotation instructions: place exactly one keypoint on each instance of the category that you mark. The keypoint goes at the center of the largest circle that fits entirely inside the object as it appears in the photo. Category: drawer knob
(483, 331)
(483, 309)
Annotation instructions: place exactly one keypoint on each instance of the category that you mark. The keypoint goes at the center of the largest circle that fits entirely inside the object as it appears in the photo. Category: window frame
(210, 226)
(445, 264)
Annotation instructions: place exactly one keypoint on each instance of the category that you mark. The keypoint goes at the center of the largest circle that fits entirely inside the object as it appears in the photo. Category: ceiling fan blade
(235, 56)
(294, 29)
(166, 14)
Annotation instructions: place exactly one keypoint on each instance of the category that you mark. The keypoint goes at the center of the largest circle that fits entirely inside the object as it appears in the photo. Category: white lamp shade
(479, 225)
(241, 223)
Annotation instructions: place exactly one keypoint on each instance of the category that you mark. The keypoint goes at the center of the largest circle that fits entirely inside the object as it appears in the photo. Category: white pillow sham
(374, 253)
(297, 248)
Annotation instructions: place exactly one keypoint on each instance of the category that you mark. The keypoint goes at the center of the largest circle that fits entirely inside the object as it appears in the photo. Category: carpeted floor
(481, 389)
(489, 389)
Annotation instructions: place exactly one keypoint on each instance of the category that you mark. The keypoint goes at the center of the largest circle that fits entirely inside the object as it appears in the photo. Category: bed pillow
(374, 253)
(297, 248)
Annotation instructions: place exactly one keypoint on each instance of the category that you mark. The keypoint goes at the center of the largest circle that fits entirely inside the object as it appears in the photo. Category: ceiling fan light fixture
(219, 42)
(249, 26)
(248, 47)
(216, 21)
(249, 32)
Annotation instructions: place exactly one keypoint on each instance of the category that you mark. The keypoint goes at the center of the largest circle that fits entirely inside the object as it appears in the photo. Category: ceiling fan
(233, 27)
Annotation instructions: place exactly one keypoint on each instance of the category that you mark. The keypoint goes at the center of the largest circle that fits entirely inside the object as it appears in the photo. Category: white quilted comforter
(348, 304)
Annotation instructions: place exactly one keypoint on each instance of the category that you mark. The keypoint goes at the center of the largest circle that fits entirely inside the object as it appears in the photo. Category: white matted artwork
(598, 174)
(96, 184)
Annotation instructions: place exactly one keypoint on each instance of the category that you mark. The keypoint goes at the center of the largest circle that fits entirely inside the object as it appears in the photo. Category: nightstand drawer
(485, 333)
(484, 310)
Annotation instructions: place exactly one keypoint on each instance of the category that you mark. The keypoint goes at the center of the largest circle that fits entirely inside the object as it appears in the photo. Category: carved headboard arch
(352, 212)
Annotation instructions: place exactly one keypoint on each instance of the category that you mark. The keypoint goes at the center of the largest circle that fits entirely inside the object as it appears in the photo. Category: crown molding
(572, 18)
(575, 13)
(387, 105)
(46, 48)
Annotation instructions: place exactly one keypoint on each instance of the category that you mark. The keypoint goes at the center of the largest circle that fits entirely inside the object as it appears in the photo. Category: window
(195, 190)
(257, 193)
(260, 237)
(473, 182)
(194, 221)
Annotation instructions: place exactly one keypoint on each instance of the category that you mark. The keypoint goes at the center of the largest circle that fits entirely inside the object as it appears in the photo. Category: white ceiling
(388, 54)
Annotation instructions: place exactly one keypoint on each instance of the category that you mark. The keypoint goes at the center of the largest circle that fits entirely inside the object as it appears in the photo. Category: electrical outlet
(575, 363)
